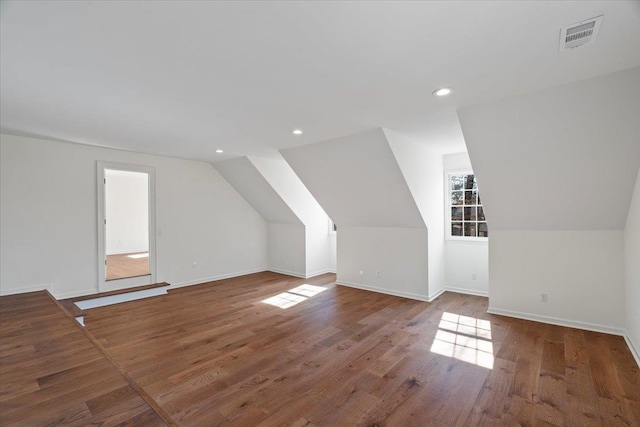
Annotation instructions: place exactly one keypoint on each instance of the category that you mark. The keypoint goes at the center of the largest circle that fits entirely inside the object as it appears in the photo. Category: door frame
(111, 285)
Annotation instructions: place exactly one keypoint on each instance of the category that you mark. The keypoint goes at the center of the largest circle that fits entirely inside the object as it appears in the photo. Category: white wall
(287, 249)
(358, 182)
(49, 219)
(582, 272)
(127, 212)
(421, 167)
(293, 192)
(556, 170)
(564, 158)
(399, 254)
(632, 272)
(466, 262)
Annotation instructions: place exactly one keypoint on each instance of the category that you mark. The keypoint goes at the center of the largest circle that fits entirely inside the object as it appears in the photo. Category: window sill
(472, 240)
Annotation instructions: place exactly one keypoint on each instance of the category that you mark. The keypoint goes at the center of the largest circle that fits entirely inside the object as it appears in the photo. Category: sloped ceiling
(290, 188)
(560, 159)
(250, 183)
(183, 78)
(357, 181)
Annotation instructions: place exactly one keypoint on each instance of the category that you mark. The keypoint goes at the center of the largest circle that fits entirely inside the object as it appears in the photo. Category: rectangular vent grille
(579, 34)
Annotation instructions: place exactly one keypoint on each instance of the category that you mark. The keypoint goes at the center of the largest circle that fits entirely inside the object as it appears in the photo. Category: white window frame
(331, 228)
(447, 207)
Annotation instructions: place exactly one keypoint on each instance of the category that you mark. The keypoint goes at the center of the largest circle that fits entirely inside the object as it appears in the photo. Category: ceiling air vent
(584, 32)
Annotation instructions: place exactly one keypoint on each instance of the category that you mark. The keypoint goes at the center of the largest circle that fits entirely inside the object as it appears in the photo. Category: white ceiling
(186, 78)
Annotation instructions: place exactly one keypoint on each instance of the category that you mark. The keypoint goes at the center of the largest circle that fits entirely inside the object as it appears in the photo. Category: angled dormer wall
(382, 238)
(299, 243)
(318, 241)
(422, 169)
(557, 169)
(286, 234)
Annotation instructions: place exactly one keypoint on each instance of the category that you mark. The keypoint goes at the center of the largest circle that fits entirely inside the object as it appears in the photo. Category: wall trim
(383, 291)
(467, 291)
(218, 277)
(632, 348)
(437, 294)
(287, 273)
(75, 294)
(318, 273)
(25, 289)
(558, 321)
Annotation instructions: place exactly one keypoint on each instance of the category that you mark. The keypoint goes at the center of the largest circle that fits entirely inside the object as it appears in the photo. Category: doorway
(126, 224)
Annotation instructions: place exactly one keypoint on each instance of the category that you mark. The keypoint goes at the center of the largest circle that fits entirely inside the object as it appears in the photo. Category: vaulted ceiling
(187, 78)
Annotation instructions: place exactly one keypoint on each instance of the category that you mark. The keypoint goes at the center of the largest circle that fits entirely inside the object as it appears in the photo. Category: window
(332, 227)
(466, 218)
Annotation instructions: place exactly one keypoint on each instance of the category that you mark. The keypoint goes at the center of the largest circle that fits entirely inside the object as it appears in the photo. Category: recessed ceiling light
(297, 132)
(442, 91)
(219, 151)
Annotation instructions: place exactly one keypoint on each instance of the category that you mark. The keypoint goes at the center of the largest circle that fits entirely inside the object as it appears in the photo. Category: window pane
(456, 182)
(456, 214)
(456, 229)
(470, 229)
(456, 198)
(469, 182)
(481, 214)
(483, 231)
(470, 197)
(470, 214)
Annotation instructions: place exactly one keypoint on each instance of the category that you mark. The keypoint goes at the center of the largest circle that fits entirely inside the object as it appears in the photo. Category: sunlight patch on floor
(294, 296)
(138, 256)
(464, 338)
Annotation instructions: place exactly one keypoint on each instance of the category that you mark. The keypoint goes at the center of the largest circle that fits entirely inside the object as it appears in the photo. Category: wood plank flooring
(51, 373)
(223, 354)
(120, 266)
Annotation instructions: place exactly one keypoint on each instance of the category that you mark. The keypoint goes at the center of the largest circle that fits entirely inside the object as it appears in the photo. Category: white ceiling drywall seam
(565, 158)
(251, 184)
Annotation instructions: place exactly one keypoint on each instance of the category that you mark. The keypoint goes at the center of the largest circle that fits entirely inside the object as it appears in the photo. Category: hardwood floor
(228, 353)
(218, 354)
(120, 266)
(51, 373)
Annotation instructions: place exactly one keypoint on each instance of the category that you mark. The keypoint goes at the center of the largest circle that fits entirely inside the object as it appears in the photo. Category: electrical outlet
(378, 274)
(544, 297)
(194, 265)
(361, 272)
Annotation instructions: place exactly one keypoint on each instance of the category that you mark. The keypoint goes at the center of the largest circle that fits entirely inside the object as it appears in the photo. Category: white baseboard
(437, 294)
(318, 273)
(633, 348)
(557, 321)
(467, 291)
(75, 293)
(25, 289)
(218, 277)
(287, 273)
(300, 275)
(383, 290)
(127, 252)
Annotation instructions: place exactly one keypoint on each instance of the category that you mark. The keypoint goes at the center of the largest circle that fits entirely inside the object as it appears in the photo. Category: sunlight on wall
(294, 296)
(464, 338)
